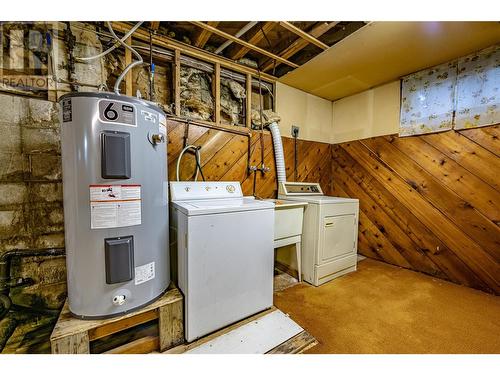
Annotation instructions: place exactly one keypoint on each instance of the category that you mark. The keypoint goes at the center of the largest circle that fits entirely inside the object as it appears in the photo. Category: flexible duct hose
(197, 158)
(278, 152)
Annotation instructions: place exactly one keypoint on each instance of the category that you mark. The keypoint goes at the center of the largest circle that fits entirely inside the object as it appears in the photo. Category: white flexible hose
(197, 156)
(114, 46)
(278, 152)
(129, 66)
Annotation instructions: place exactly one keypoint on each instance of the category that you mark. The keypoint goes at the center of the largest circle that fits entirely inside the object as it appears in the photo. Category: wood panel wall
(428, 203)
(225, 158)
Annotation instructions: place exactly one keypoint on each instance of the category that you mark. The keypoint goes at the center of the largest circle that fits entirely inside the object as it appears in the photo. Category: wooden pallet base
(74, 336)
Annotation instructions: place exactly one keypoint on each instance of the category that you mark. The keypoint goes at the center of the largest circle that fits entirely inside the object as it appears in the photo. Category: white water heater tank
(115, 203)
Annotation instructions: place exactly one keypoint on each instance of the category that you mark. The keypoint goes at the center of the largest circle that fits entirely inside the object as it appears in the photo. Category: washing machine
(225, 254)
(330, 231)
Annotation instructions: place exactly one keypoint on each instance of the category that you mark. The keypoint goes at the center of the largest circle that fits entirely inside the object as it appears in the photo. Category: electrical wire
(114, 46)
(129, 66)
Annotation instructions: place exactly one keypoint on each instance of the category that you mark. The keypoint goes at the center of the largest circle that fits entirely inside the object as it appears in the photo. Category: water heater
(115, 202)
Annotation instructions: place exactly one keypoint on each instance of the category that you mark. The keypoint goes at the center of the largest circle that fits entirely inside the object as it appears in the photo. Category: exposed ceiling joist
(169, 43)
(243, 43)
(256, 38)
(154, 25)
(202, 38)
(299, 44)
(242, 31)
(307, 37)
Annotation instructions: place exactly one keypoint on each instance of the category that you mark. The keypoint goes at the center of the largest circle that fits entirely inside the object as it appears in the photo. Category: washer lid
(217, 206)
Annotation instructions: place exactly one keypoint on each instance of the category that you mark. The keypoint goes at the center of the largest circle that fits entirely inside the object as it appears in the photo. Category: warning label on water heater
(144, 273)
(115, 206)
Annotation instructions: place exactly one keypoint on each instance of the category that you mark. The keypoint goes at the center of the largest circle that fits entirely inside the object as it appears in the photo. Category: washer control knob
(187, 188)
(230, 188)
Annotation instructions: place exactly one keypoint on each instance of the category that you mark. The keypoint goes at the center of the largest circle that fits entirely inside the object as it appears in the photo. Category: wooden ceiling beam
(169, 43)
(299, 44)
(242, 31)
(301, 33)
(243, 43)
(202, 37)
(256, 38)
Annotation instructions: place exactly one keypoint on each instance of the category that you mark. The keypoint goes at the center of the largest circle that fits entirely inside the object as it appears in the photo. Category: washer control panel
(184, 190)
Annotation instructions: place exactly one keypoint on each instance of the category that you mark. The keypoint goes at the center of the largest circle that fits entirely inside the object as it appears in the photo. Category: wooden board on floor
(296, 344)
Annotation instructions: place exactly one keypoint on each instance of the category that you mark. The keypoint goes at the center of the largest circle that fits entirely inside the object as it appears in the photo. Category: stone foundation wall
(31, 199)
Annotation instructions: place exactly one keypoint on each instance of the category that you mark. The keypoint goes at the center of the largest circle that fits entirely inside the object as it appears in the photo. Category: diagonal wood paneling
(429, 203)
(225, 157)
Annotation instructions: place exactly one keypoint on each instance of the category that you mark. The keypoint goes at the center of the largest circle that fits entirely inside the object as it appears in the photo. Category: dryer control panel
(189, 190)
(299, 188)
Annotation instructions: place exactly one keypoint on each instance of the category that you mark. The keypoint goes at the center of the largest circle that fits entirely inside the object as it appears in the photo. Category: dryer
(330, 234)
(225, 254)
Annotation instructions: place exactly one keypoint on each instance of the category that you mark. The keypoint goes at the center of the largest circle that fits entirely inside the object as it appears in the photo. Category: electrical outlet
(295, 131)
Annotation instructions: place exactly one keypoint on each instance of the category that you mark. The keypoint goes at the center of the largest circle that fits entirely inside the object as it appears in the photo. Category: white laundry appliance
(225, 254)
(330, 234)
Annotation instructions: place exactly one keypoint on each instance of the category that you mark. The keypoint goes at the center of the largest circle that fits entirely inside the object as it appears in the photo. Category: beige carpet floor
(386, 309)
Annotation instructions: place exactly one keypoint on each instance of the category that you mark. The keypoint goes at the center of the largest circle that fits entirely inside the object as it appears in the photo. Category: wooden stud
(177, 82)
(248, 114)
(74, 344)
(299, 44)
(128, 60)
(217, 93)
(170, 325)
(154, 25)
(256, 38)
(186, 49)
(301, 33)
(204, 35)
(243, 43)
